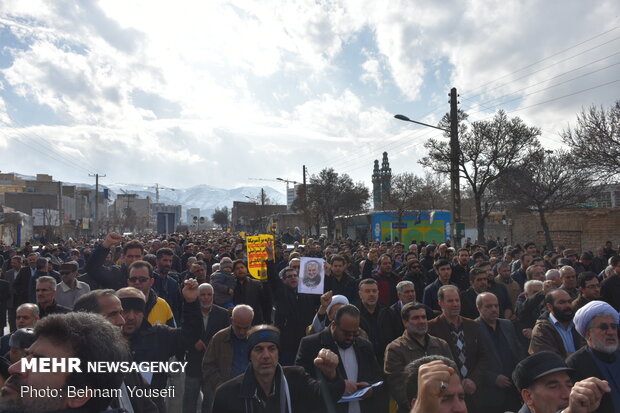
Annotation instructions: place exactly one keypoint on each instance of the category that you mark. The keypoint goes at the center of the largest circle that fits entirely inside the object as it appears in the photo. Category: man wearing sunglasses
(70, 289)
(357, 365)
(597, 322)
(157, 309)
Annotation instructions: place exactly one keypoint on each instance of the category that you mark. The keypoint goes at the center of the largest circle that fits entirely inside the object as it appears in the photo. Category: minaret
(376, 186)
(386, 178)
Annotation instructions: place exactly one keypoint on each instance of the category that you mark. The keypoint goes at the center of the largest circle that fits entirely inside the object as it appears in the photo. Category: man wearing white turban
(597, 322)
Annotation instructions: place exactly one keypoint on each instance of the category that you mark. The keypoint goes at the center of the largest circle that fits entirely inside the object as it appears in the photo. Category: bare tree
(548, 182)
(488, 149)
(329, 195)
(221, 217)
(595, 140)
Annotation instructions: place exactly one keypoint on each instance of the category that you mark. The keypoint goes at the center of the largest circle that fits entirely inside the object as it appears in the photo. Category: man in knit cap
(268, 387)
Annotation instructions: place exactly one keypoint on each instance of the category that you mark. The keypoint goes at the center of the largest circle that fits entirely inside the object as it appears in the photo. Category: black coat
(21, 286)
(239, 394)
(583, 362)
(368, 367)
(218, 320)
(489, 394)
(160, 342)
(5, 293)
(294, 312)
(252, 293)
(347, 286)
(468, 303)
(114, 277)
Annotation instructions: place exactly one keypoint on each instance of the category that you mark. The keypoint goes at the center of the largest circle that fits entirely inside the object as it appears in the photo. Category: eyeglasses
(138, 279)
(605, 326)
(287, 276)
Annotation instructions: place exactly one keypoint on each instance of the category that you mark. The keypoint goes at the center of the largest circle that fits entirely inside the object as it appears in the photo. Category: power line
(548, 79)
(68, 161)
(546, 58)
(395, 145)
(543, 89)
(554, 99)
(543, 68)
(36, 149)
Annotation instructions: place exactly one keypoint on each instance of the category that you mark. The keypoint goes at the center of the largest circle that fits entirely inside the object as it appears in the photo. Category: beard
(563, 315)
(600, 345)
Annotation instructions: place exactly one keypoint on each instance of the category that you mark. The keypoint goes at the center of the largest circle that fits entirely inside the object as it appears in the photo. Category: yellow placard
(242, 235)
(257, 255)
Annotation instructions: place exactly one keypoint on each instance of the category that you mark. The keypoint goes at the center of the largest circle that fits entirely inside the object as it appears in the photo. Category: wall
(582, 229)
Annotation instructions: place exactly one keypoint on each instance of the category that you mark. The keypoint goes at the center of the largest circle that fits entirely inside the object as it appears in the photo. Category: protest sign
(257, 255)
(311, 275)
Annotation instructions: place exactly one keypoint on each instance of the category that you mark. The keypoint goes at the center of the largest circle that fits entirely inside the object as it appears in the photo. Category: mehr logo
(51, 365)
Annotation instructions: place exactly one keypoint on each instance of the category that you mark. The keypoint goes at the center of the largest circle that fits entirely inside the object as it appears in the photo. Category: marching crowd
(426, 328)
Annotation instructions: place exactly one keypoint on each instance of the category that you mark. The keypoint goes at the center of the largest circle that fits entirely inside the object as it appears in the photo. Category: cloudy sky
(215, 92)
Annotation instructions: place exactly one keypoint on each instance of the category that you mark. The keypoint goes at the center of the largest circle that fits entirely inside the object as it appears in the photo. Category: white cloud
(234, 89)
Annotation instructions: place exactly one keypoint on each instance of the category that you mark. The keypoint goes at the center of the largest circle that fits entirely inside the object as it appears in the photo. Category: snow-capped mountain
(205, 197)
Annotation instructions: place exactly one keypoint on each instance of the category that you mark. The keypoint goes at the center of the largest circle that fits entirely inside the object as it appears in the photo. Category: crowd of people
(425, 327)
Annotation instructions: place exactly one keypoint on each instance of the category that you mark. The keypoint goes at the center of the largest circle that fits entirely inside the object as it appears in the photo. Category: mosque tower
(376, 186)
(386, 178)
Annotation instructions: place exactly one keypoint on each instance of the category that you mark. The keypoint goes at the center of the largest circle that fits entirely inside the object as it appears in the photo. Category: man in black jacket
(294, 312)
(497, 392)
(113, 277)
(251, 292)
(159, 342)
(357, 362)
(266, 386)
(107, 304)
(214, 319)
(339, 281)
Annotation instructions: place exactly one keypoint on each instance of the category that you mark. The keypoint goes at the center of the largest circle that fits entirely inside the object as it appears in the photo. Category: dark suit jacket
(368, 367)
(20, 286)
(218, 320)
(468, 304)
(5, 292)
(475, 357)
(583, 362)
(253, 295)
(491, 394)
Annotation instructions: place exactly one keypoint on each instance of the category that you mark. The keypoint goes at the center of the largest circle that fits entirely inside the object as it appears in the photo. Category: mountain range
(205, 197)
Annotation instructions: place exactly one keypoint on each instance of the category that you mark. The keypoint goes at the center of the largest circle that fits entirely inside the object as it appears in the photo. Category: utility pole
(262, 197)
(455, 192)
(96, 225)
(305, 187)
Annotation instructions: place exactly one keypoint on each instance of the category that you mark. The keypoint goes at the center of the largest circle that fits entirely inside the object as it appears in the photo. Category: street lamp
(406, 119)
(454, 161)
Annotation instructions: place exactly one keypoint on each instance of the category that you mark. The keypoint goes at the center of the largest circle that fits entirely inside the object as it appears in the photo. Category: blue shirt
(565, 333)
(240, 355)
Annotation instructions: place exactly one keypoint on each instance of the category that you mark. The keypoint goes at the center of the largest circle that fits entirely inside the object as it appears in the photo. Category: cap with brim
(537, 366)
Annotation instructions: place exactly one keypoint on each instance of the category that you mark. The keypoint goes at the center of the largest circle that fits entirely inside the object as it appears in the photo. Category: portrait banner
(257, 255)
(311, 276)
